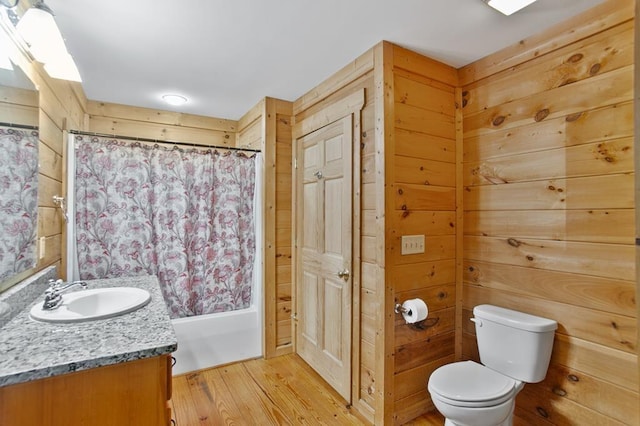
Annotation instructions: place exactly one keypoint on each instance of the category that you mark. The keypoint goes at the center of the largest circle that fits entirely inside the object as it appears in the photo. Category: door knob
(318, 174)
(344, 274)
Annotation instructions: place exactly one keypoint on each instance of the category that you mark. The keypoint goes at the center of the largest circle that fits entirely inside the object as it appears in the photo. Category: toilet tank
(513, 343)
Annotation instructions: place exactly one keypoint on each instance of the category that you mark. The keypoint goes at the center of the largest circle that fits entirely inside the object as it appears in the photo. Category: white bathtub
(209, 340)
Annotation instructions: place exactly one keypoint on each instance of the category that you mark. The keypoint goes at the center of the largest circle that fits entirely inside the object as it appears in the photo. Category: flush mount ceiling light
(508, 7)
(38, 28)
(175, 100)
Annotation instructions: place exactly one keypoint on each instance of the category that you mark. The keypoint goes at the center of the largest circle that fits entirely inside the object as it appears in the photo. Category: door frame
(349, 105)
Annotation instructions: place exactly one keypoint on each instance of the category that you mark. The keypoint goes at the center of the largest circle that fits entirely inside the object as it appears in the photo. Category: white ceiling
(226, 55)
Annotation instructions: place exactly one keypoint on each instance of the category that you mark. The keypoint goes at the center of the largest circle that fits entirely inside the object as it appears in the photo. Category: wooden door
(324, 252)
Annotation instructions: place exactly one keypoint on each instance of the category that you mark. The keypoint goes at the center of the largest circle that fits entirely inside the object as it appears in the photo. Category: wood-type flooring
(278, 391)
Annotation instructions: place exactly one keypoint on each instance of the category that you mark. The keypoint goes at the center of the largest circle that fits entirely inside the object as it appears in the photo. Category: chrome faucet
(53, 295)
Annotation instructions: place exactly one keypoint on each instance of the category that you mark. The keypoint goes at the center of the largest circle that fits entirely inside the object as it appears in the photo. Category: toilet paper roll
(415, 310)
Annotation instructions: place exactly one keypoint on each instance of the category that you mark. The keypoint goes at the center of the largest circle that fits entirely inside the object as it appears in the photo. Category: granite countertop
(31, 350)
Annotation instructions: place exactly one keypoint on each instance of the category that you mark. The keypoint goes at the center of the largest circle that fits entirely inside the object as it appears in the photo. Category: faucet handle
(55, 283)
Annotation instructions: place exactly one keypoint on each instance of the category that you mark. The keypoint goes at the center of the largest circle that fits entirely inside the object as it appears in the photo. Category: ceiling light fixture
(175, 100)
(508, 7)
(39, 29)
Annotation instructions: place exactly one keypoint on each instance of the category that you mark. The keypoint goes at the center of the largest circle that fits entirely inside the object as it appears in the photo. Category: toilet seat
(469, 384)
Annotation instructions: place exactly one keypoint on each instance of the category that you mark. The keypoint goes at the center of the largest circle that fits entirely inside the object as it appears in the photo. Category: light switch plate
(412, 244)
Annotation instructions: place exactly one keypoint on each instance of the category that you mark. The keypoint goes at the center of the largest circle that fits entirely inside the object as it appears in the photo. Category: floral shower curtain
(18, 200)
(185, 215)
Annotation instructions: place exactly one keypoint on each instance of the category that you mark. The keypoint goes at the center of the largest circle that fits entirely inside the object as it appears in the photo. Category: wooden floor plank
(278, 391)
(209, 409)
(277, 385)
(253, 403)
(309, 387)
(316, 389)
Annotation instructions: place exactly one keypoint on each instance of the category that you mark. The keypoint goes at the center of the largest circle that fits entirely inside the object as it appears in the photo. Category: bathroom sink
(87, 305)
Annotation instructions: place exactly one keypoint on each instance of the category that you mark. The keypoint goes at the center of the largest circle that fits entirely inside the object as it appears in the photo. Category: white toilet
(515, 349)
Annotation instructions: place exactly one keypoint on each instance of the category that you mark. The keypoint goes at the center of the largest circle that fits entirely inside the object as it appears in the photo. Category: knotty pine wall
(57, 106)
(267, 127)
(124, 120)
(420, 175)
(549, 210)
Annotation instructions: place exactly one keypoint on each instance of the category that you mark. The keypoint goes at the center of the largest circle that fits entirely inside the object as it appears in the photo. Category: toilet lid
(470, 384)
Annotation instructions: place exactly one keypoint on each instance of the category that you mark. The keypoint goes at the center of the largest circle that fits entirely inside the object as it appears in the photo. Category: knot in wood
(514, 243)
(541, 115)
(595, 69)
(559, 391)
(576, 57)
(400, 191)
(542, 412)
(498, 120)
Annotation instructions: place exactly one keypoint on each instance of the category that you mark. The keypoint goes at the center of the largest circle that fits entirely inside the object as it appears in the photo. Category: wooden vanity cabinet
(130, 393)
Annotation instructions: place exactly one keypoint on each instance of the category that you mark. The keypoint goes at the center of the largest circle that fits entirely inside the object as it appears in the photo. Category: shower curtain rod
(133, 138)
(19, 126)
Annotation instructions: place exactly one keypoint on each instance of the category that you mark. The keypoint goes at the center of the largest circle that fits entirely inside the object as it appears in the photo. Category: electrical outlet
(412, 244)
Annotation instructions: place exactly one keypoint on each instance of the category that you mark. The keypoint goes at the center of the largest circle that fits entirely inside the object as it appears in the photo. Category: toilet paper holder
(399, 309)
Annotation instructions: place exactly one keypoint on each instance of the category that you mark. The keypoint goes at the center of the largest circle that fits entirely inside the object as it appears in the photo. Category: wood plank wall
(353, 78)
(124, 120)
(549, 210)
(60, 105)
(420, 174)
(267, 126)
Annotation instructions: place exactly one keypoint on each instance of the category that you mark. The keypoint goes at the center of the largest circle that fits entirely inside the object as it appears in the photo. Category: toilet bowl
(514, 348)
(470, 394)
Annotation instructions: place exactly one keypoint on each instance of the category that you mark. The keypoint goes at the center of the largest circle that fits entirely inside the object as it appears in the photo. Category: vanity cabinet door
(130, 393)
(168, 370)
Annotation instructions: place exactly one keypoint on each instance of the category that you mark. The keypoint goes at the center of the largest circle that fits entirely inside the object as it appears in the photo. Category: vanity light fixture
(175, 100)
(508, 7)
(63, 67)
(5, 41)
(39, 29)
(5, 60)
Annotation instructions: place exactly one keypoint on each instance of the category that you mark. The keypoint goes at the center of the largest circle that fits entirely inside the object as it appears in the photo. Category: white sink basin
(99, 303)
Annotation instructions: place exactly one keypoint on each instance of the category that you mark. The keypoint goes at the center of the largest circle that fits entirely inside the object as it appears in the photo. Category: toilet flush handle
(477, 321)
